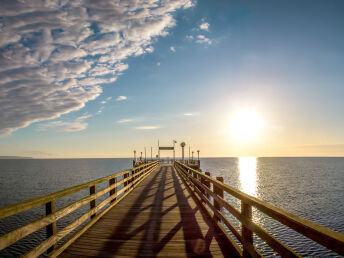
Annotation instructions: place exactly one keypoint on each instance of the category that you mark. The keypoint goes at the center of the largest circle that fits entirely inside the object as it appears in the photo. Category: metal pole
(174, 155)
(141, 156)
(158, 150)
(135, 155)
(198, 154)
(145, 154)
(183, 154)
(189, 153)
(192, 155)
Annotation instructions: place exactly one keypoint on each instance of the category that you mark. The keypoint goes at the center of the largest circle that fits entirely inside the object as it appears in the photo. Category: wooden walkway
(159, 218)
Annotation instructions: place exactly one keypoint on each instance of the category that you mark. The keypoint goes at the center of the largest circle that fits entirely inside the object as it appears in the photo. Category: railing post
(51, 228)
(247, 235)
(93, 202)
(125, 183)
(207, 182)
(219, 192)
(112, 181)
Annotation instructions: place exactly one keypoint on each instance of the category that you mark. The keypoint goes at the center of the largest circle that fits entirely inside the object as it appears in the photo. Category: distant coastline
(14, 157)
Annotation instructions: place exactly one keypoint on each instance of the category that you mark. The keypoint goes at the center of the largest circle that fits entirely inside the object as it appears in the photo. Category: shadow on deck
(159, 218)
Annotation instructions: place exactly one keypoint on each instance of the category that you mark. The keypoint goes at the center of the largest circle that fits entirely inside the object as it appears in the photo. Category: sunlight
(247, 169)
(246, 125)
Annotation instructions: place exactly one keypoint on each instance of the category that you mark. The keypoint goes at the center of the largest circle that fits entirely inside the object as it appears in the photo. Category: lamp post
(141, 156)
(182, 145)
(192, 156)
(145, 154)
(135, 155)
(198, 154)
(174, 152)
(151, 153)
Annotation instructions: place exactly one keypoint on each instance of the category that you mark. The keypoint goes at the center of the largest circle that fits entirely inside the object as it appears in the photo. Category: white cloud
(55, 55)
(120, 98)
(106, 100)
(61, 126)
(158, 64)
(201, 39)
(204, 26)
(188, 114)
(146, 127)
(172, 49)
(125, 120)
(189, 37)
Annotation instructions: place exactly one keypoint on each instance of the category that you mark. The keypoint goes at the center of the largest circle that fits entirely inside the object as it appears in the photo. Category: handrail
(201, 186)
(130, 179)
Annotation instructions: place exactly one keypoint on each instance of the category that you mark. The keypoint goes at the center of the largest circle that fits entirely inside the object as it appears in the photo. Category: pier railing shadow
(158, 205)
(210, 193)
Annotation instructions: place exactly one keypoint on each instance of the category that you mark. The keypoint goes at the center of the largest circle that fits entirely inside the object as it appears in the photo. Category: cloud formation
(201, 39)
(204, 26)
(61, 126)
(146, 127)
(120, 98)
(125, 120)
(55, 55)
(172, 49)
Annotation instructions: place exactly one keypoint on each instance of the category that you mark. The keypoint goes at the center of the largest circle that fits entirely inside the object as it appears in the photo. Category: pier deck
(158, 218)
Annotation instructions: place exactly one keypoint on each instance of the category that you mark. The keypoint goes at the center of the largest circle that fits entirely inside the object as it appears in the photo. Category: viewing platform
(159, 210)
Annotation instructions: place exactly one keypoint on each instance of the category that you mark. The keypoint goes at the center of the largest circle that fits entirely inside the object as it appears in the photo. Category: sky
(93, 79)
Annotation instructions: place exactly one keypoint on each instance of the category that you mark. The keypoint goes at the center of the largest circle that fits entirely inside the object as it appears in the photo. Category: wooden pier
(159, 210)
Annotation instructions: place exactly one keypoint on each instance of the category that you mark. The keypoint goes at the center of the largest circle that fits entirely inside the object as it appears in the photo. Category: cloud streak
(55, 56)
(121, 98)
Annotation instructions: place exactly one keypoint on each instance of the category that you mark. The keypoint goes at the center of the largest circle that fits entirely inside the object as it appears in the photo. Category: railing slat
(51, 228)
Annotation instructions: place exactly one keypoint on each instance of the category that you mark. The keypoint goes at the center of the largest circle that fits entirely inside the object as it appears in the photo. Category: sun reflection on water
(247, 169)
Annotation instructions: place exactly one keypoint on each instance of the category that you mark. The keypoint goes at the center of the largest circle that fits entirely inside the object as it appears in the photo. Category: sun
(246, 125)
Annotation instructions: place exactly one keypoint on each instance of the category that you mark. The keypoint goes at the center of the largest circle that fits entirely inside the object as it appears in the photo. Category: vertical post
(207, 182)
(247, 235)
(51, 228)
(158, 150)
(124, 177)
(151, 153)
(93, 202)
(145, 155)
(219, 192)
(112, 181)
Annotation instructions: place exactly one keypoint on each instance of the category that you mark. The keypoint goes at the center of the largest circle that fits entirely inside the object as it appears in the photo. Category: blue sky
(177, 70)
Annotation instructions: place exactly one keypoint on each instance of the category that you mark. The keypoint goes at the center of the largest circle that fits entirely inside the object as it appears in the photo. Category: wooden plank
(158, 218)
(329, 238)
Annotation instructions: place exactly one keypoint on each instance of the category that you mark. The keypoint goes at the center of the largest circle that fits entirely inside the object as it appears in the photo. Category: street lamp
(174, 152)
(192, 155)
(135, 155)
(141, 156)
(198, 154)
(182, 145)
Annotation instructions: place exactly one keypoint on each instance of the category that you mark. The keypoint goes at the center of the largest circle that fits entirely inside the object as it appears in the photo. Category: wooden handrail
(331, 239)
(130, 178)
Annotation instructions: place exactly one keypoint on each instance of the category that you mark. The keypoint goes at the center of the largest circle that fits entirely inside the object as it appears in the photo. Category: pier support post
(207, 182)
(247, 235)
(219, 192)
(51, 228)
(93, 202)
(112, 181)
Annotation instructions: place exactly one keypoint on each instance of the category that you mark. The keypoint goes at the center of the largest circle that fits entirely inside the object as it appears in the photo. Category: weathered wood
(69, 228)
(160, 217)
(29, 204)
(219, 192)
(51, 228)
(93, 202)
(331, 239)
(112, 181)
(247, 234)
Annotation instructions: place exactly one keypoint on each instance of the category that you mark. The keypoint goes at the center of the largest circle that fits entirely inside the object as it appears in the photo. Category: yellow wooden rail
(120, 184)
(201, 185)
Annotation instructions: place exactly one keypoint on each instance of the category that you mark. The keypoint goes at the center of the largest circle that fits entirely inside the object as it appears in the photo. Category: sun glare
(246, 125)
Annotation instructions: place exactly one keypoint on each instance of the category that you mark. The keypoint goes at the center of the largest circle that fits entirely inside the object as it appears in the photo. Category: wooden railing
(205, 187)
(120, 184)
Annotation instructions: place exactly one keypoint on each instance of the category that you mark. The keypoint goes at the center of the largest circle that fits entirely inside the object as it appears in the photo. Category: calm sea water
(309, 187)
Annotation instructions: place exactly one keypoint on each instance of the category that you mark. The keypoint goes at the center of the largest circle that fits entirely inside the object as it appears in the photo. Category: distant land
(14, 157)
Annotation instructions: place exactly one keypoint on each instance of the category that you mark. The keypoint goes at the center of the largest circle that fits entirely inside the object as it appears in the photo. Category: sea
(312, 188)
